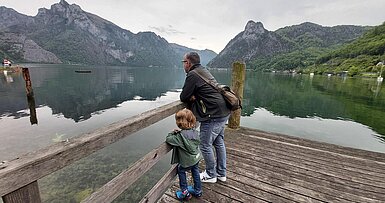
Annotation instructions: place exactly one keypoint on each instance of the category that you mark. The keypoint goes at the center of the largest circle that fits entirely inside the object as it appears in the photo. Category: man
(210, 109)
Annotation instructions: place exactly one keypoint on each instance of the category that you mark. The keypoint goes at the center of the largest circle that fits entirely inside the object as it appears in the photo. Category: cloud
(169, 30)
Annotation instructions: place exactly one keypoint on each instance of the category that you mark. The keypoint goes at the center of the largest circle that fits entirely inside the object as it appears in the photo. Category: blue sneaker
(192, 191)
(183, 196)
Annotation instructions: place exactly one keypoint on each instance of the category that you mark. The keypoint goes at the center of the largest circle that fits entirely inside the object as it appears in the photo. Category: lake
(338, 110)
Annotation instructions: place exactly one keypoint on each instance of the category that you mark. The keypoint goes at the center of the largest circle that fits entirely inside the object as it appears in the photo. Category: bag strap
(215, 86)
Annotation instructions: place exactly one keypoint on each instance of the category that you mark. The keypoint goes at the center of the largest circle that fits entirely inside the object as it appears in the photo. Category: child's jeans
(196, 178)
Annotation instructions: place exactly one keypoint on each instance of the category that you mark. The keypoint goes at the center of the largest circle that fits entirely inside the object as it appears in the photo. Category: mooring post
(237, 85)
(30, 97)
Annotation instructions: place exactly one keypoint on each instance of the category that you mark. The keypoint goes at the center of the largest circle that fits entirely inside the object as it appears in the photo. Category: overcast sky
(211, 24)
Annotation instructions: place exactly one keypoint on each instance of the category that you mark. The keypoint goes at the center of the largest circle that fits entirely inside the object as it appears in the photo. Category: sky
(211, 24)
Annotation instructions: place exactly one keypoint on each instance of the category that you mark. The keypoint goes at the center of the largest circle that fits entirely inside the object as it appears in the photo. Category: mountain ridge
(76, 36)
(286, 48)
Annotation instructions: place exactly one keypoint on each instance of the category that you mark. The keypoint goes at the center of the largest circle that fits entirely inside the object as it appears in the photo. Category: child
(186, 153)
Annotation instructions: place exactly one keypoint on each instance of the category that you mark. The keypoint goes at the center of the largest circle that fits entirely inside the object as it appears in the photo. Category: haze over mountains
(67, 34)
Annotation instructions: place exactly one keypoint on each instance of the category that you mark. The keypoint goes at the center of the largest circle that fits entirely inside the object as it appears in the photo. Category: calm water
(343, 111)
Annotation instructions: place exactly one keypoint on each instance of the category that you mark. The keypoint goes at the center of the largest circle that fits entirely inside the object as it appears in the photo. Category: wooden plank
(315, 154)
(228, 194)
(240, 183)
(29, 193)
(162, 185)
(358, 153)
(320, 168)
(303, 178)
(315, 173)
(33, 166)
(208, 195)
(115, 187)
(274, 192)
(335, 163)
(166, 198)
(292, 187)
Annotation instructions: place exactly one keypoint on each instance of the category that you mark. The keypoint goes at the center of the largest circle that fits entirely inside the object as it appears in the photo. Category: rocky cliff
(22, 49)
(254, 41)
(286, 48)
(68, 34)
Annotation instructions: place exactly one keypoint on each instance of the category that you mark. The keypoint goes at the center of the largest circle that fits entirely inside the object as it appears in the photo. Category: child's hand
(176, 130)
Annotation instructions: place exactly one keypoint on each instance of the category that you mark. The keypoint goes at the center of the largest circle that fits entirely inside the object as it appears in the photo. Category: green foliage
(11, 52)
(298, 59)
(360, 56)
(321, 50)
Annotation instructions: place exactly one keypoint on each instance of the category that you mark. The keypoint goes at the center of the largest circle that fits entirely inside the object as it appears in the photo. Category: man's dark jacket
(209, 103)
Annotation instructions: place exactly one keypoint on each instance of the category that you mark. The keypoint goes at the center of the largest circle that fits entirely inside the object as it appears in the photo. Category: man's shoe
(192, 191)
(205, 178)
(222, 178)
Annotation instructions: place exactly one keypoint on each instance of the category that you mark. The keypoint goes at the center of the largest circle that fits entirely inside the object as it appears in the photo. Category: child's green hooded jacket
(185, 147)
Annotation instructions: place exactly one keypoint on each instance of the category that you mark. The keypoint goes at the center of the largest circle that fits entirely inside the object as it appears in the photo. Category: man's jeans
(196, 178)
(212, 133)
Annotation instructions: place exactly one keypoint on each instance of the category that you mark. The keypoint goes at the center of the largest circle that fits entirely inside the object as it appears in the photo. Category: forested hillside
(311, 41)
(358, 57)
(286, 49)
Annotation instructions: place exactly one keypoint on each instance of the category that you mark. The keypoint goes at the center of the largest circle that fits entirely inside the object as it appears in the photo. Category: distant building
(6, 63)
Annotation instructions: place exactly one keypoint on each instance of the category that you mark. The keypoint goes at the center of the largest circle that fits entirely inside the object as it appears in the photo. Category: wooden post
(29, 193)
(30, 97)
(237, 84)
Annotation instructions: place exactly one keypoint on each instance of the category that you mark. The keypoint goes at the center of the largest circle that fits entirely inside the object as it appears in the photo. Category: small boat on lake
(83, 71)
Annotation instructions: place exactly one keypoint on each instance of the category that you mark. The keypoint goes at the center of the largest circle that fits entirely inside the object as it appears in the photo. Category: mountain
(254, 41)
(287, 48)
(16, 45)
(205, 55)
(361, 55)
(20, 48)
(10, 17)
(312, 35)
(65, 33)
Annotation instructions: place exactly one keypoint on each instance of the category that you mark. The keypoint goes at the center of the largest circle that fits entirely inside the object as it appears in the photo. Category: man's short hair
(193, 57)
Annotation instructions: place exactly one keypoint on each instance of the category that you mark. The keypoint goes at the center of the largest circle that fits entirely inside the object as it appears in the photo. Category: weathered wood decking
(265, 167)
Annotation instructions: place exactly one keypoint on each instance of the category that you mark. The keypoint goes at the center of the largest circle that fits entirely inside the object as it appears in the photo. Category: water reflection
(336, 98)
(78, 96)
(8, 77)
(60, 91)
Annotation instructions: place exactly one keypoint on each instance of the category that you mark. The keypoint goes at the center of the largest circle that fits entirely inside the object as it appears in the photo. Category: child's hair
(185, 119)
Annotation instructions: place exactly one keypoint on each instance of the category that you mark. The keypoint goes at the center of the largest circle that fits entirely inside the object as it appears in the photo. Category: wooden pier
(262, 167)
(267, 167)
